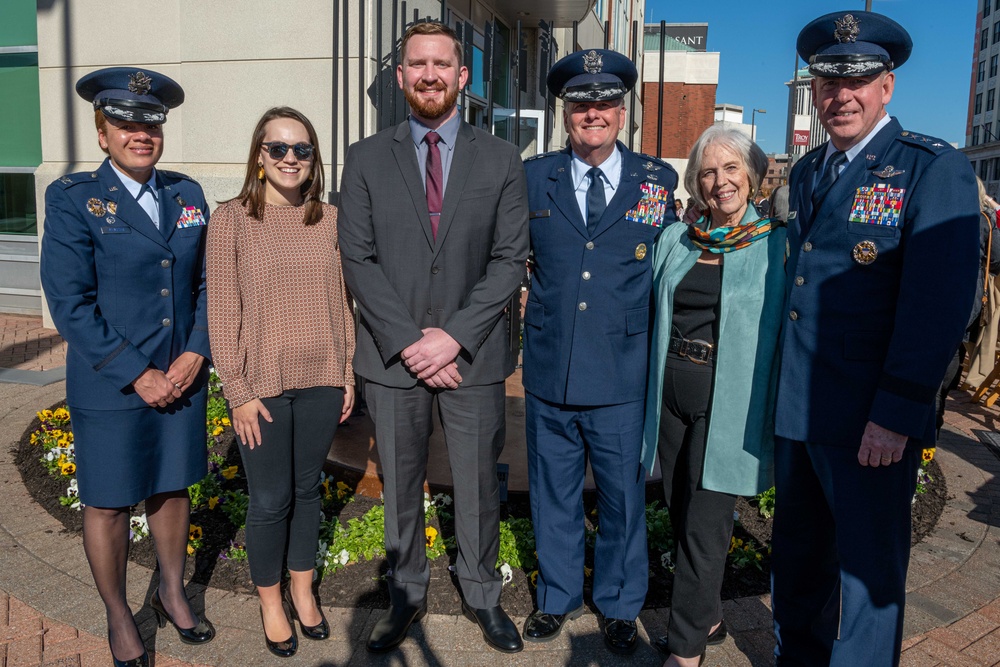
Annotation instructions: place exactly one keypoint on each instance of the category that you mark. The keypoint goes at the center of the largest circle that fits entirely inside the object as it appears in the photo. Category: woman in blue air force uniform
(123, 269)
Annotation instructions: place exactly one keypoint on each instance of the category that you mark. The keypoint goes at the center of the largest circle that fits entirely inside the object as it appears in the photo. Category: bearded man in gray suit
(434, 236)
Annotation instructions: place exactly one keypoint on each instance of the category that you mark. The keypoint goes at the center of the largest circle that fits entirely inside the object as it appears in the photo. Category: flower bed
(350, 551)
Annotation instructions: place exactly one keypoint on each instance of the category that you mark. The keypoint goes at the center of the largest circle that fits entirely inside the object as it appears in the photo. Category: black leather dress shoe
(542, 627)
(391, 629)
(715, 638)
(620, 635)
(498, 630)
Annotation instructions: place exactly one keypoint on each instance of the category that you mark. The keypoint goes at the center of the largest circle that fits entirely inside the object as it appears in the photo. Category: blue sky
(757, 45)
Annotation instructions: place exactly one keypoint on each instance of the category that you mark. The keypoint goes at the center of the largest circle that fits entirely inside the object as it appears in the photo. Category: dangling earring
(260, 171)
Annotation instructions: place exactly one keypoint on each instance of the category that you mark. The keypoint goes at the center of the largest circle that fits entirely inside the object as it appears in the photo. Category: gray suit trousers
(473, 419)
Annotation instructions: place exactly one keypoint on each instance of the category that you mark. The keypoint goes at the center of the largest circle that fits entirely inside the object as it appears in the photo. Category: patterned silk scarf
(727, 239)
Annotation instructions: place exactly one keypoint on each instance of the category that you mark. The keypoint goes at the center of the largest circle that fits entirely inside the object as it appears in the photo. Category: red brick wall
(688, 110)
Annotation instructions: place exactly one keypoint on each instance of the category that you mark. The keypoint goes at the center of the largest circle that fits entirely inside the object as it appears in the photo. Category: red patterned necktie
(435, 180)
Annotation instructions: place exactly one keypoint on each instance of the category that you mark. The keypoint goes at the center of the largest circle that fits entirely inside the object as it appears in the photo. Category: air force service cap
(592, 76)
(131, 94)
(853, 43)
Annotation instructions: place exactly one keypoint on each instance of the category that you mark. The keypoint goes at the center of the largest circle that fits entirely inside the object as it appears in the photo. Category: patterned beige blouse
(278, 314)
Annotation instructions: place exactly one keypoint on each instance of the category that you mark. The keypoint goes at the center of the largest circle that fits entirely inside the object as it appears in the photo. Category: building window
(984, 166)
(991, 95)
(996, 168)
(981, 75)
(984, 41)
(979, 103)
(996, 32)
(975, 136)
(986, 8)
(993, 62)
(988, 133)
(996, 5)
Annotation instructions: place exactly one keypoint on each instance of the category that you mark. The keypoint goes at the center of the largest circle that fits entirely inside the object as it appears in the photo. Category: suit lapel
(406, 160)
(857, 173)
(563, 194)
(461, 166)
(170, 208)
(627, 194)
(127, 209)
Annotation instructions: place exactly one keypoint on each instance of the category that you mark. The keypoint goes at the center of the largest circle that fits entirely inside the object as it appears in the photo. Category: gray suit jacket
(404, 281)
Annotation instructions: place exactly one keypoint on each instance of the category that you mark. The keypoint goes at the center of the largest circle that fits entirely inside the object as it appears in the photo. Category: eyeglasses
(278, 149)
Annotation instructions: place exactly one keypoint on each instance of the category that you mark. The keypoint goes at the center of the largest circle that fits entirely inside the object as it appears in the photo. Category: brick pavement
(26, 345)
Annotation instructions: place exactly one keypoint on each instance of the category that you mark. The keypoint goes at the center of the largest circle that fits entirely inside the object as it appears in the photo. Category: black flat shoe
(498, 630)
(284, 649)
(391, 629)
(716, 637)
(318, 632)
(620, 636)
(541, 627)
(199, 634)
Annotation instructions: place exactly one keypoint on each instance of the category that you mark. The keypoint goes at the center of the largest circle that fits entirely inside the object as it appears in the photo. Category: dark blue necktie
(596, 203)
(830, 174)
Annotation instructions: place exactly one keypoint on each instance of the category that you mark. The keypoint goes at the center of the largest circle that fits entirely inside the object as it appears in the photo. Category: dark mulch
(362, 584)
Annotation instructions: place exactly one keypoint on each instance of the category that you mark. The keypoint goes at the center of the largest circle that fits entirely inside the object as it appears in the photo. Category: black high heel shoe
(285, 649)
(199, 634)
(319, 631)
(141, 661)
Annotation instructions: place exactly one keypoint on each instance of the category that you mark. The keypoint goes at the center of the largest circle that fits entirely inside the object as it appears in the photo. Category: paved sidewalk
(50, 613)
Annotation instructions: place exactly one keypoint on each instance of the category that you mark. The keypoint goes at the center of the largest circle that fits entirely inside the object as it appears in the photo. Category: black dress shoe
(320, 631)
(498, 630)
(542, 627)
(715, 638)
(390, 631)
(620, 635)
(199, 634)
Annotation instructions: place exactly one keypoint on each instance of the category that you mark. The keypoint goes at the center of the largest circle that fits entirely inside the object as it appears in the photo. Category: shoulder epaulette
(70, 180)
(541, 155)
(175, 174)
(653, 163)
(931, 144)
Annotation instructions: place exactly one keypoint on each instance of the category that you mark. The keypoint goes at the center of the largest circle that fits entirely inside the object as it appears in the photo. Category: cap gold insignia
(640, 251)
(139, 83)
(593, 63)
(112, 207)
(865, 253)
(847, 29)
(889, 172)
(96, 207)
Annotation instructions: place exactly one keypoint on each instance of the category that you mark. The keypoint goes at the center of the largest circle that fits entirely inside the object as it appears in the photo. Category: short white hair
(750, 154)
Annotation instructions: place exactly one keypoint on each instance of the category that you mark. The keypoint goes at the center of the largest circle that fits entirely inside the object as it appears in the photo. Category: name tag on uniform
(652, 207)
(190, 217)
(877, 205)
(541, 213)
(116, 230)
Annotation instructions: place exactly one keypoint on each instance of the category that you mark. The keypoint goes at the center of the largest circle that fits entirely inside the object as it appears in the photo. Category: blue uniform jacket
(876, 311)
(122, 293)
(586, 322)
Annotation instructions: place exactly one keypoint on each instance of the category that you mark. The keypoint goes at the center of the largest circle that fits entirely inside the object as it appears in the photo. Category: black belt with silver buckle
(697, 351)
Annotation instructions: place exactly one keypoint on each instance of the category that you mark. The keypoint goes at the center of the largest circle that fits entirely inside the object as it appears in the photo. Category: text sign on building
(800, 137)
(694, 35)
(800, 129)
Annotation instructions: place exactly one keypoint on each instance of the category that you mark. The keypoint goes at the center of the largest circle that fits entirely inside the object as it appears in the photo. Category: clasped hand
(159, 389)
(432, 359)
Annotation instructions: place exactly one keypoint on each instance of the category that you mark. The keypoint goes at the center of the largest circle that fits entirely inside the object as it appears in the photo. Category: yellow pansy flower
(431, 534)
(229, 472)
(212, 502)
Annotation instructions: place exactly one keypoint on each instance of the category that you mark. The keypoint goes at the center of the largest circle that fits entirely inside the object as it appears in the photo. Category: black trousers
(702, 519)
(283, 477)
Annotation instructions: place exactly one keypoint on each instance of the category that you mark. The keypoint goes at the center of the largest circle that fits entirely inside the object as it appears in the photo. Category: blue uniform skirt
(125, 456)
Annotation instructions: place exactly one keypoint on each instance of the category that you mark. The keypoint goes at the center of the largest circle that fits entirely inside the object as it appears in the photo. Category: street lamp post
(753, 123)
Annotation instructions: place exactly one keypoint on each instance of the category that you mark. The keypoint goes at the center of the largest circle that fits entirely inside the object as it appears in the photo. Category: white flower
(736, 515)
(667, 562)
(72, 491)
(138, 528)
(442, 500)
(427, 501)
(343, 557)
(51, 455)
(508, 574)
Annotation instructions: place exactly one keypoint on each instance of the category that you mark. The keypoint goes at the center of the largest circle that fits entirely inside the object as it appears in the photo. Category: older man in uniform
(883, 254)
(596, 208)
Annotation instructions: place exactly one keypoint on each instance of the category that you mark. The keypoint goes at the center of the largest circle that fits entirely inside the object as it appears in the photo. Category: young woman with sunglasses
(282, 339)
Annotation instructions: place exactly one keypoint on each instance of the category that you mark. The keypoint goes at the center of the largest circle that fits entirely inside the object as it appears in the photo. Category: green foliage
(744, 552)
(234, 506)
(517, 544)
(765, 503)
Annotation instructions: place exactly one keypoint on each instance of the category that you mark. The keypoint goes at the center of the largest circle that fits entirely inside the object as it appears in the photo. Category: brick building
(690, 80)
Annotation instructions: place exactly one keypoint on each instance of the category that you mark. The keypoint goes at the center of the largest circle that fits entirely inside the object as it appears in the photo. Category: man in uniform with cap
(883, 253)
(123, 269)
(596, 209)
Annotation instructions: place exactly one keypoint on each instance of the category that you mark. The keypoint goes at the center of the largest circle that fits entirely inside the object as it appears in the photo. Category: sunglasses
(278, 149)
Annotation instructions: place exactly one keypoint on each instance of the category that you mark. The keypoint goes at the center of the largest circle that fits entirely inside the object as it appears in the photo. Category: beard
(427, 108)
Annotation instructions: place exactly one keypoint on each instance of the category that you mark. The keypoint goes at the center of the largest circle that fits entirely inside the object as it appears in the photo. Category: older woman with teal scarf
(718, 290)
